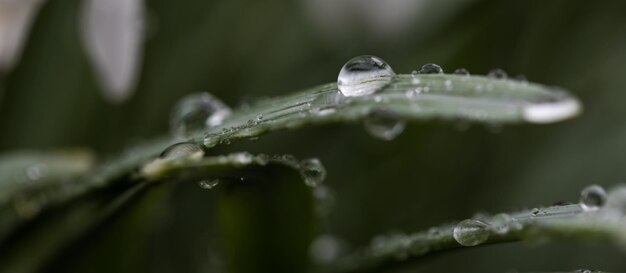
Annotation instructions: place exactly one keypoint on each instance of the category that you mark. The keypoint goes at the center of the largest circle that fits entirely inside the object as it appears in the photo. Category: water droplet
(592, 198)
(364, 75)
(208, 184)
(497, 74)
(312, 171)
(196, 112)
(471, 232)
(431, 69)
(182, 149)
(384, 126)
(461, 72)
(36, 172)
(534, 211)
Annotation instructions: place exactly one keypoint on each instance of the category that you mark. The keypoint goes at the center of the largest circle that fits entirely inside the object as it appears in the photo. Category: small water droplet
(431, 69)
(384, 126)
(208, 184)
(497, 74)
(461, 72)
(36, 172)
(592, 198)
(196, 112)
(534, 211)
(471, 232)
(312, 171)
(364, 75)
(182, 149)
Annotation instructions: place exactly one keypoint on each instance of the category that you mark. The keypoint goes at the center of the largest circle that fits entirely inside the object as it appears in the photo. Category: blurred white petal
(354, 20)
(113, 34)
(16, 17)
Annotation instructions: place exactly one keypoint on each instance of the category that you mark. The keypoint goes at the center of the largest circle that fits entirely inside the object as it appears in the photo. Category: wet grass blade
(571, 222)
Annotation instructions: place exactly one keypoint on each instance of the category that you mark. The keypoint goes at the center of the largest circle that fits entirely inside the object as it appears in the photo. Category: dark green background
(433, 173)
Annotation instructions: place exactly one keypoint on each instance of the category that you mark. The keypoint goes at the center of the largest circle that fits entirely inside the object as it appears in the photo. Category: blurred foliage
(244, 50)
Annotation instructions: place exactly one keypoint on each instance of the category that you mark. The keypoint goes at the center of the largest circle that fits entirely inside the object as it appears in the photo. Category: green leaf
(570, 221)
(410, 97)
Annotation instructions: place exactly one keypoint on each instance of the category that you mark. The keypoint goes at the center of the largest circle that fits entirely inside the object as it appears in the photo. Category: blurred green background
(435, 172)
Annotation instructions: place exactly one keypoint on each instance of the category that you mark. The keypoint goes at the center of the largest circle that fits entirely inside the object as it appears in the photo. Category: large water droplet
(196, 112)
(312, 171)
(208, 184)
(431, 69)
(497, 74)
(471, 232)
(384, 126)
(364, 75)
(592, 198)
(182, 149)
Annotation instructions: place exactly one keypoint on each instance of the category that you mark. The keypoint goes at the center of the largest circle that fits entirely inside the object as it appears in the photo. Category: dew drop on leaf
(461, 72)
(36, 172)
(197, 112)
(312, 171)
(471, 232)
(592, 198)
(431, 69)
(182, 149)
(208, 184)
(497, 74)
(383, 126)
(364, 75)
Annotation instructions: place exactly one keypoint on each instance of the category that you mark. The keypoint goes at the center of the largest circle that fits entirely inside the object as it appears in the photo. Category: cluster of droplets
(196, 112)
(366, 75)
(477, 230)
